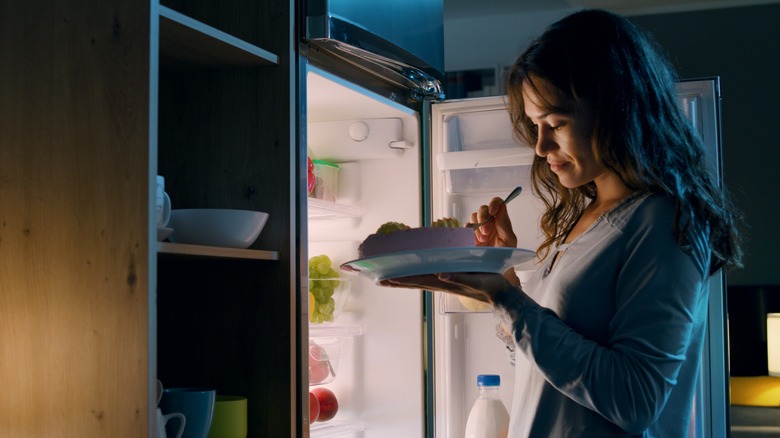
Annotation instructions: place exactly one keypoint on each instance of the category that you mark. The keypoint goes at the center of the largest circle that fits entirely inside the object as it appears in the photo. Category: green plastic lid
(325, 163)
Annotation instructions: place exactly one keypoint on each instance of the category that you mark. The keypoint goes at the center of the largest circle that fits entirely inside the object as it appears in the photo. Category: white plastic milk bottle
(489, 417)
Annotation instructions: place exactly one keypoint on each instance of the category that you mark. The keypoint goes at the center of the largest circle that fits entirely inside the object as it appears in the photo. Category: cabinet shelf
(193, 42)
(213, 251)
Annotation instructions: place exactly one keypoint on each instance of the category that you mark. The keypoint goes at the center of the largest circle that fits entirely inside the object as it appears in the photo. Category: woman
(610, 328)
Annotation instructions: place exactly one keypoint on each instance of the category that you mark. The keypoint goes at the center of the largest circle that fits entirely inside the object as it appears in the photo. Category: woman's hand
(480, 286)
(497, 232)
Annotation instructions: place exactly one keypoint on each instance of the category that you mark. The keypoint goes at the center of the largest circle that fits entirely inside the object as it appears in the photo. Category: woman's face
(563, 137)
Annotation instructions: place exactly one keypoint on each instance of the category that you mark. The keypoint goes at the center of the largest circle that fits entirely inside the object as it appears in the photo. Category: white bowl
(216, 227)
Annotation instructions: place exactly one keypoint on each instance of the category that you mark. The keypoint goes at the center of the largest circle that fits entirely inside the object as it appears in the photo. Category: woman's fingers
(480, 286)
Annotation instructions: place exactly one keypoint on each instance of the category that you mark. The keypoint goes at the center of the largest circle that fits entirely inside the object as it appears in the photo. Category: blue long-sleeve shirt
(609, 338)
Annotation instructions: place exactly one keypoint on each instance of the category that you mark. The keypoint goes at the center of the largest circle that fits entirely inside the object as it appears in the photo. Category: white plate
(436, 260)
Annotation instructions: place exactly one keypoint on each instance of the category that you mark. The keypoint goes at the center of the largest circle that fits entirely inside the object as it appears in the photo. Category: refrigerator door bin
(485, 170)
(486, 180)
(451, 303)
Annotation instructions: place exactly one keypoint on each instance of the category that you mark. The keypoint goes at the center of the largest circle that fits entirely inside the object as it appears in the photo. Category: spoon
(508, 198)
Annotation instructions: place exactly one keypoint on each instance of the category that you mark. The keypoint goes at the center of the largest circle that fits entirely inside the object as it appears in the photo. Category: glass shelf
(319, 209)
(334, 428)
(332, 331)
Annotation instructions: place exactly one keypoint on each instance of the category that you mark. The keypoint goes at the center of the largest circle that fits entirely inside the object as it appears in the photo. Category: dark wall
(742, 46)
(748, 306)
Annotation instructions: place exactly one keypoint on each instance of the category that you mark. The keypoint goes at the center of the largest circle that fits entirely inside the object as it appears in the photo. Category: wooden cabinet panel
(73, 223)
(89, 311)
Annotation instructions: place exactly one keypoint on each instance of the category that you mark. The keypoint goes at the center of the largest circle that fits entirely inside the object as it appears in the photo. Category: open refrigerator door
(475, 158)
(700, 101)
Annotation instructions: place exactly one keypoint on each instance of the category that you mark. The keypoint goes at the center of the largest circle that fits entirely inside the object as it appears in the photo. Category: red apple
(310, 178)
(329, 406)
(319, 364)
(314, 408)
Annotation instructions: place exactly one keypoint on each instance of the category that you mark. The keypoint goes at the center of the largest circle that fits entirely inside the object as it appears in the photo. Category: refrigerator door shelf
(487, 180)
(509, 156)
(486, 170)
(450, 303)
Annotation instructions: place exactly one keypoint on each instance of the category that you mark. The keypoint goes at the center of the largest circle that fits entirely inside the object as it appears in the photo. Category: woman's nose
(544, 144)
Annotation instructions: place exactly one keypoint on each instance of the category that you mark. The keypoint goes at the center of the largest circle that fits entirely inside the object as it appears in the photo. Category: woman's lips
(557, 166)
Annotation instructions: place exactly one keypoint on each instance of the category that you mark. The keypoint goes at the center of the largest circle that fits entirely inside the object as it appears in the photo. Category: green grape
(327, 307)
(323, 280)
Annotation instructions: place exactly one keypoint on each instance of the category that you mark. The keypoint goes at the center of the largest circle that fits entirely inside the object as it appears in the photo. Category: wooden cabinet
(94, 101)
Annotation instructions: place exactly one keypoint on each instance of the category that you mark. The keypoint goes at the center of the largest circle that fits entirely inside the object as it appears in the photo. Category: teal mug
(197, 405)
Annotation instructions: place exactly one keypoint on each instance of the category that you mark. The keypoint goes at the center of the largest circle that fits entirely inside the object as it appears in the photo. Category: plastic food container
(324, 355)
(326, 185)
(327, 297)
(329, 346)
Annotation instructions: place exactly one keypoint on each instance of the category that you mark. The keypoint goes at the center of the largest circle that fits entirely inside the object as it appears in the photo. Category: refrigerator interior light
(773, 343)
(349, 140)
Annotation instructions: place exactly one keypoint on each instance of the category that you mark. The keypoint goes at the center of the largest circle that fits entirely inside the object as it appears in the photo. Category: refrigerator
(404, 362)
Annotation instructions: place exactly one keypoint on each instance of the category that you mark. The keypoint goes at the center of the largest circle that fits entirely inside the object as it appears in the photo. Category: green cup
(229, 417)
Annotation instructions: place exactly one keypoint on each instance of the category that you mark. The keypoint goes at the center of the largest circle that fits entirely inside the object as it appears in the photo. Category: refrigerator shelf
(319, 209)
(333, 331)
(334, 428)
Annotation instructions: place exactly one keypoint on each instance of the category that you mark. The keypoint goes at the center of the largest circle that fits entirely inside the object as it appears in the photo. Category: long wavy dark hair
(603, 63)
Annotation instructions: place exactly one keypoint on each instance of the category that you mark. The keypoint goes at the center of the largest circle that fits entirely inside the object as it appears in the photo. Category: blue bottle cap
(488, 380)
